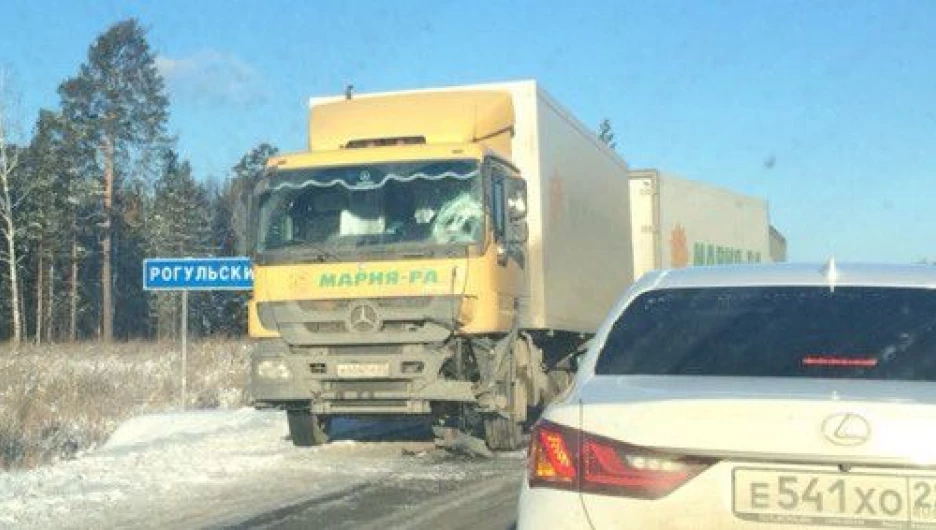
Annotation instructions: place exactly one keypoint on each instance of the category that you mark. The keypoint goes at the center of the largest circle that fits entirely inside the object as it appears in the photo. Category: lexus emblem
(846, 428)
(363, 318)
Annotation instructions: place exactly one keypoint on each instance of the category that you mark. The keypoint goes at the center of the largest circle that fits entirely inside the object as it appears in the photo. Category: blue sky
(839, 95)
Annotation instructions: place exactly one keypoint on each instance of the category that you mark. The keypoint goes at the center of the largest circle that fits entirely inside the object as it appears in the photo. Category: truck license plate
(838, 499)
(363, 370)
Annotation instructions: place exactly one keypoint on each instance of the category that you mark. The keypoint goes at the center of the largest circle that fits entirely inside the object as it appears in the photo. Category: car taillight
(553, 456)
(616, 468)
(565, 458)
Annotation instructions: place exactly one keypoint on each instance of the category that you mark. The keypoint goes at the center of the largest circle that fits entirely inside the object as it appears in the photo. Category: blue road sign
(197, 274)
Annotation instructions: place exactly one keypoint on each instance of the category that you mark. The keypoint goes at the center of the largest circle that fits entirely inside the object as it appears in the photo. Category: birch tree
(10, 201)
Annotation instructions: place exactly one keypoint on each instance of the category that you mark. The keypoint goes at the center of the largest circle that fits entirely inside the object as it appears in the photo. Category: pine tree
(130, 237)
(228, 309)
(178, 226)
(85, 216)
(606, 133)
(50, 172)
(245, 175)
(118, 105)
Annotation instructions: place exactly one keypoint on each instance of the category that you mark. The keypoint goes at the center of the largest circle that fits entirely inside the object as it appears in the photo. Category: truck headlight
(273, 369)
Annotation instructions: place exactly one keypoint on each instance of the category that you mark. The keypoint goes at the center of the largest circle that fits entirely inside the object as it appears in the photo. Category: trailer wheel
(307, 429)
(502, 434)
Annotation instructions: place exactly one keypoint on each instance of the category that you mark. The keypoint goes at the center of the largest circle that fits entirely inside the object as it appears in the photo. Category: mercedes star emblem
(363, 318)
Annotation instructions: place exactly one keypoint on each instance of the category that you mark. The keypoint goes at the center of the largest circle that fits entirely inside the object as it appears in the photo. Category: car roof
(799, 274)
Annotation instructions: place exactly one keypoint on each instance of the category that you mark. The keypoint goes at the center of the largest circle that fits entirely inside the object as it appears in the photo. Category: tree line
(98, 188)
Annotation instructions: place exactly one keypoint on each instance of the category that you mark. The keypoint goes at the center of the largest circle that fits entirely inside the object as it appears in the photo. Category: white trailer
(579, 215)
(778, 245)
(678, 223)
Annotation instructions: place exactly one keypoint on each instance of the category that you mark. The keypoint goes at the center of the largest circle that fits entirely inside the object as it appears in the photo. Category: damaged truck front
(435, 252)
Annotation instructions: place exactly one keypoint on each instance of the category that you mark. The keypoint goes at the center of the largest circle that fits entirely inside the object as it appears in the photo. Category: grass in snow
(57, 401)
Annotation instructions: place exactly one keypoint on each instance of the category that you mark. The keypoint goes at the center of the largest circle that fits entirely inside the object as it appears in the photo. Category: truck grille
(352, 351)
(416, 319)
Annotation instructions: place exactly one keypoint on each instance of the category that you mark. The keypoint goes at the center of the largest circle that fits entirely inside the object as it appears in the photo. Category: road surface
(483, 496)
(237, 469)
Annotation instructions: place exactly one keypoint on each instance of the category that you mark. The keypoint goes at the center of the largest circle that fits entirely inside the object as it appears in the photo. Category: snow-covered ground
(208, 468)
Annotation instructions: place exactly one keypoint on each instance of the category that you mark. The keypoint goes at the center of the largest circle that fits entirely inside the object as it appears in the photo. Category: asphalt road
(484, 497)
(438, 490)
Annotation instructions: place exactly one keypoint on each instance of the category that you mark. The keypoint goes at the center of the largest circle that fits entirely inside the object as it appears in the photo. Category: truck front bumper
(401, 379)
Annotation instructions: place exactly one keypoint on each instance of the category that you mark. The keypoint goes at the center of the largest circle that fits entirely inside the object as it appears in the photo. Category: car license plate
(840, 499)
(363, 370)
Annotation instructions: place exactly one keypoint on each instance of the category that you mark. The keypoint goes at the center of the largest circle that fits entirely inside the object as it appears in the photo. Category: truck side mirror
(518, 233)
(516, 198)
(246, 227)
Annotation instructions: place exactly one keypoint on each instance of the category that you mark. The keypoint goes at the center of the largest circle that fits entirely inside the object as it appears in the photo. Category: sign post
(195, 274)
(184, 345)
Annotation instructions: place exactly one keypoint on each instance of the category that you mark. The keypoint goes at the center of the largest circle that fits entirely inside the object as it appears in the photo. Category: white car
(756, 397)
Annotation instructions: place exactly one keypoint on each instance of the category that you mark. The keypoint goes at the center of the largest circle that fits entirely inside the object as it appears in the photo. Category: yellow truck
(434, 252)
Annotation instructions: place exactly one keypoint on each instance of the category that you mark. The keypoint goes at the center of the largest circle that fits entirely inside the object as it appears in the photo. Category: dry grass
(59, 400)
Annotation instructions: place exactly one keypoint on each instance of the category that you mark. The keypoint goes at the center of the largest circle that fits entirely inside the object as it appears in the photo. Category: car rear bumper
(544, 509)
(704, 503)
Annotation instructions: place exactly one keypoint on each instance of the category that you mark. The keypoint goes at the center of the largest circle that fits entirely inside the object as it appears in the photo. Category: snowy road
(483, 496)
(223, 469)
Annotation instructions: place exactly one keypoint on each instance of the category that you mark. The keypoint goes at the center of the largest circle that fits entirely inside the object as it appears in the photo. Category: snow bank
(174, 427)
(205, 468)
(163, 456)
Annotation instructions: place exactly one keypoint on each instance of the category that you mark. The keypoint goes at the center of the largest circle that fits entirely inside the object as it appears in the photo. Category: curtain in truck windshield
(358, 206)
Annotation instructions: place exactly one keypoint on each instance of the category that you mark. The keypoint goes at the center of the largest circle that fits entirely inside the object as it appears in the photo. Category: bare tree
(9, 160)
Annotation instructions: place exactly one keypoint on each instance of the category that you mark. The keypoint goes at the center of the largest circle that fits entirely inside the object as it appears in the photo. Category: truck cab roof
(388, 154)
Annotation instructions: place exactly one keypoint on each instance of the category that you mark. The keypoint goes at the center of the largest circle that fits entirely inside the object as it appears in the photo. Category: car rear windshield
(845, 332)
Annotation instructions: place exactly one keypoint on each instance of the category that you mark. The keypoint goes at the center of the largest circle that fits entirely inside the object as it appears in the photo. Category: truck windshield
(349, 207)
(846, 332)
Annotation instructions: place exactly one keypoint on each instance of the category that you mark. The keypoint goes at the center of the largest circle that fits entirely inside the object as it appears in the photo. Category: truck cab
(387, 259)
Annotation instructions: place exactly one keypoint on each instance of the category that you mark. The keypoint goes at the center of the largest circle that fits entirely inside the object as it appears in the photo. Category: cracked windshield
(355, 206)
(467, 265)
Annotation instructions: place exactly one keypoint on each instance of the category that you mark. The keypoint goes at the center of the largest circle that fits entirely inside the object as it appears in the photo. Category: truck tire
(502, 434)
(307, 429)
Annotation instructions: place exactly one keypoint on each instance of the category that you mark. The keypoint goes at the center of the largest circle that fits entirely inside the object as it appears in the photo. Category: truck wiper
(399, 253)
(417, 254)
(304, 249)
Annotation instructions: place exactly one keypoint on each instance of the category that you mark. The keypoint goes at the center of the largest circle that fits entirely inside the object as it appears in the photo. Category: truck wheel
(307, 429)
(502, 434)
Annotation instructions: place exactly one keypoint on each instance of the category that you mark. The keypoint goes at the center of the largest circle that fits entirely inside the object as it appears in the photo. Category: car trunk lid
(784, 419)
